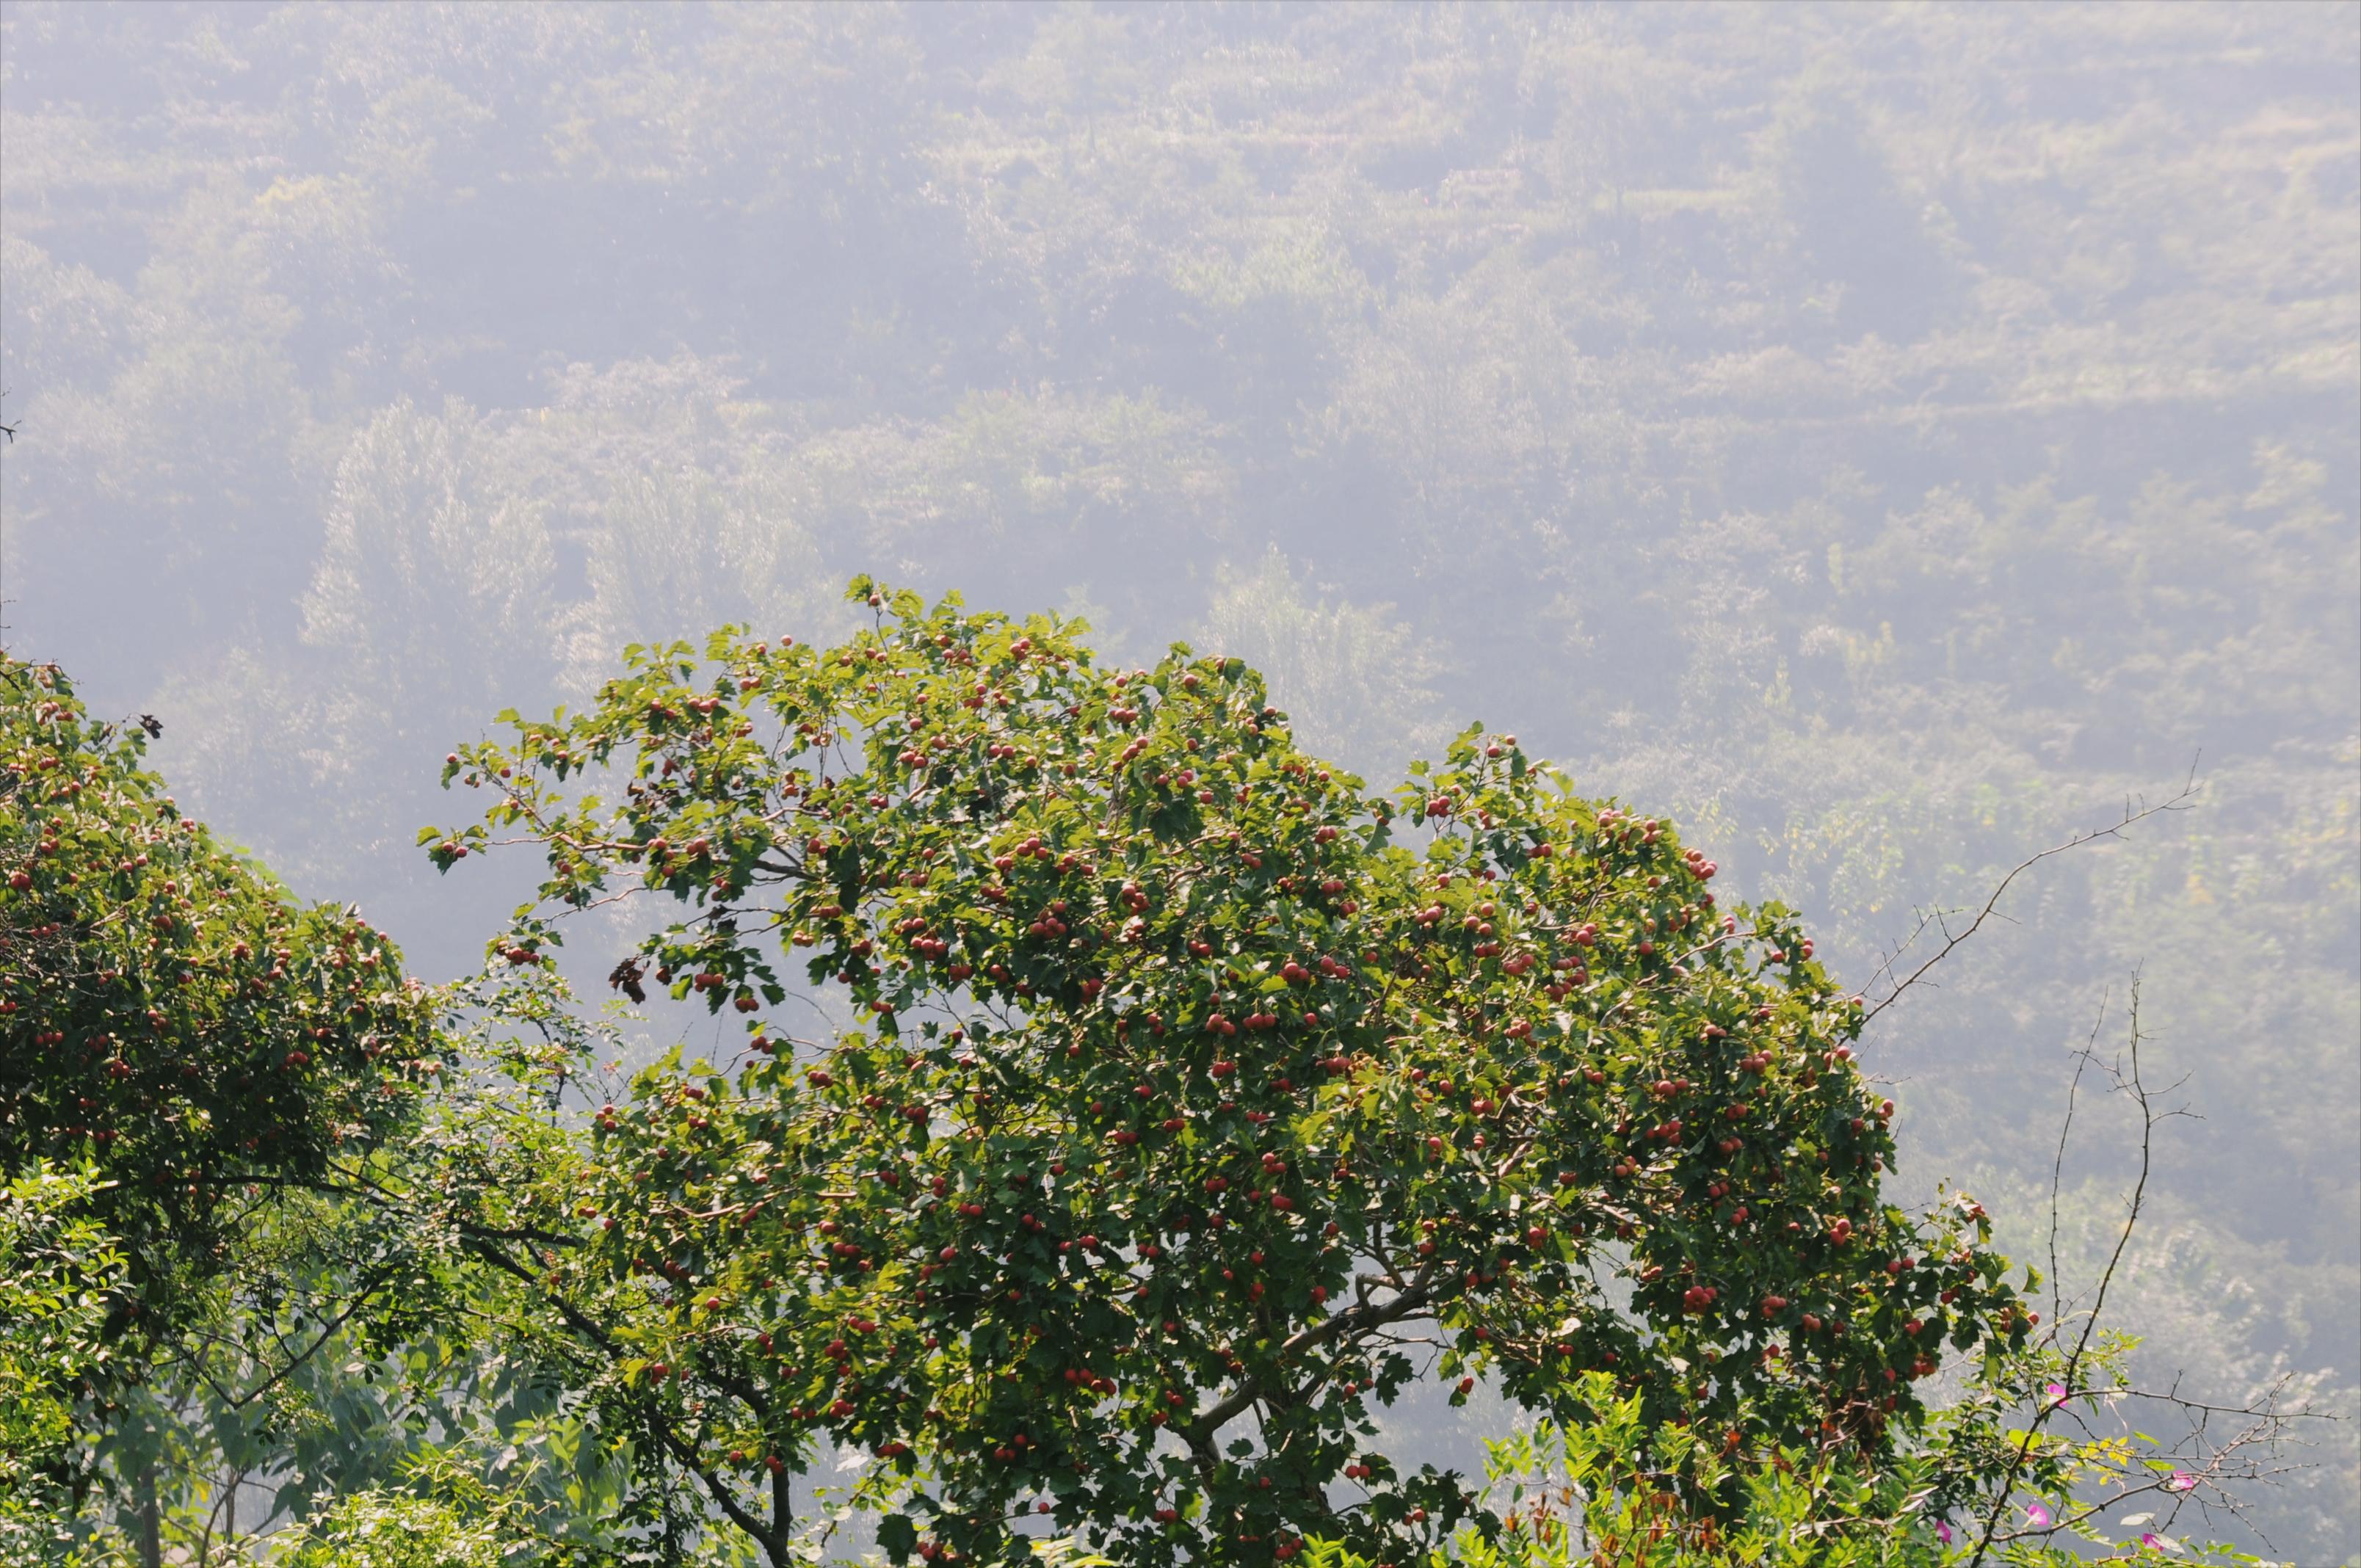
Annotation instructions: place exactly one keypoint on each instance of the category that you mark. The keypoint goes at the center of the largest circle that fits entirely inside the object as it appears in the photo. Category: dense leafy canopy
(1185, 1081)
(58, 1276)
(1104, 1203)
(172, 1015)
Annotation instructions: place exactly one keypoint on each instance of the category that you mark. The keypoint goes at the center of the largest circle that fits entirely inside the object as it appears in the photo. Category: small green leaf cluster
(57, 1273)
(1609, 1493)
(442, 1516)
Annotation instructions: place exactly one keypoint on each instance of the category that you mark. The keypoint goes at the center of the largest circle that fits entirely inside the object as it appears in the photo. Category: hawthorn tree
(1183, 1098)
(174, 1021)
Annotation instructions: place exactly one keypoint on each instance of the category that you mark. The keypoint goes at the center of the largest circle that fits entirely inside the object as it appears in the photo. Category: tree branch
(2022, 1450)
(2134, 813)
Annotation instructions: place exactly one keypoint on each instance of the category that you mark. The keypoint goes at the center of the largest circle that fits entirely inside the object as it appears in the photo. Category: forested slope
(1889, 437)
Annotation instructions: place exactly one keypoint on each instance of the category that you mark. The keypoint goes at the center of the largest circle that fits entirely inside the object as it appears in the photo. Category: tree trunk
(782, 1516)
(151, 1523)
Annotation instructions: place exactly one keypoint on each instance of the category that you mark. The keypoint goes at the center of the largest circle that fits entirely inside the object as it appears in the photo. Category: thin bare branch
(2023, 1450)
(2134, 813)
(2057, 1167)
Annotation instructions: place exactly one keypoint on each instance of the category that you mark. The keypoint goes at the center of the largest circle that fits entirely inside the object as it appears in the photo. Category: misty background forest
(1884, 438)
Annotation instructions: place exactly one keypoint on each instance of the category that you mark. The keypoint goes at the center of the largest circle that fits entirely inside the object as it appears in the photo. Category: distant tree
(1355, 675)
(1190, 1096)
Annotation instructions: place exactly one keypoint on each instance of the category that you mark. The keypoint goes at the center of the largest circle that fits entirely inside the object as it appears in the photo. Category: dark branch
(2133, 814)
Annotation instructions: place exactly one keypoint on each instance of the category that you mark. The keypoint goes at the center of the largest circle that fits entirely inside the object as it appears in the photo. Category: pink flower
(1942, 1532)
(2036, 1516)
(2182, 1480)
(2152, 1540)
(2057, 1392)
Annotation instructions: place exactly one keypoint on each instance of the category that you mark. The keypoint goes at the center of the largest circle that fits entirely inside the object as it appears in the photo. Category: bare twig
(2148, 1118)
(2022, 1450)
(2057, 1167)
(2206, 1464)
(2134, 812)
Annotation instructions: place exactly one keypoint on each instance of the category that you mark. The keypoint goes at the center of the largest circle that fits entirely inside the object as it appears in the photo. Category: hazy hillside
(1884, 438)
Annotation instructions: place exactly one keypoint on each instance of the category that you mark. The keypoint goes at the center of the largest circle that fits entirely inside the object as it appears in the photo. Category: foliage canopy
(1188, 1090)
(173, 1015)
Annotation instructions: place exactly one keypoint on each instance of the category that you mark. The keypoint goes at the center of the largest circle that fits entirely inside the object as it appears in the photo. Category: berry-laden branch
(1153, 1031)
